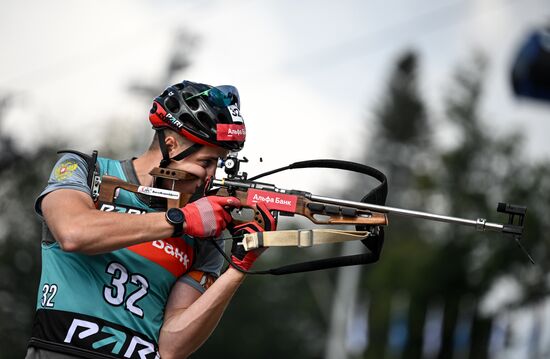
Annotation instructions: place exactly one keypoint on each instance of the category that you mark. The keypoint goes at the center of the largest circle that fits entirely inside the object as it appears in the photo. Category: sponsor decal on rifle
(159, 192)
(273, 201)
(65, 170)
(230, 132)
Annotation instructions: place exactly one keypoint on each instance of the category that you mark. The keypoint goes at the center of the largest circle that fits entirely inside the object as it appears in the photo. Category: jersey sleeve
(70, 172)
(208, 261)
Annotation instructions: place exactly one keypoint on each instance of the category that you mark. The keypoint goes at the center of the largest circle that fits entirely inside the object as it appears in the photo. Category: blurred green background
(439, 291)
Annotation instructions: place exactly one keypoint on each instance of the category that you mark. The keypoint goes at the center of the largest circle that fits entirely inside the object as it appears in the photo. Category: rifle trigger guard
(305, 238)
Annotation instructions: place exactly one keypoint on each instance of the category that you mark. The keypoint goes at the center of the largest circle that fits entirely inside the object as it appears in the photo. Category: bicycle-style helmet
(204, 114)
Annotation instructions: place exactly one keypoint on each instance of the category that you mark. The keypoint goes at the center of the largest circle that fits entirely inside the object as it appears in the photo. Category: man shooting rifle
(136, 279)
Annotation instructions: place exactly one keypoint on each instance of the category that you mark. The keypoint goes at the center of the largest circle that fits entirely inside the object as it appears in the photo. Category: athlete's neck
(144, 164)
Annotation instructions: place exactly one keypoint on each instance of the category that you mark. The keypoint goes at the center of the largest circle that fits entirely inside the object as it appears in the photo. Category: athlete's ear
(171, 145)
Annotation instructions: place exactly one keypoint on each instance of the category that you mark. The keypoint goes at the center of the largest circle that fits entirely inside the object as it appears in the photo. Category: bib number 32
(48, 293)
(115, 293)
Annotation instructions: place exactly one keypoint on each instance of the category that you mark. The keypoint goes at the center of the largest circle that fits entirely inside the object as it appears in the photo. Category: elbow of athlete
(70, 240)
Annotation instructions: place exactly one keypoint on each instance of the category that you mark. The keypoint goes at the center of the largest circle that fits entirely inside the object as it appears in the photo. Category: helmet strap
(166, 157)
(188, 151)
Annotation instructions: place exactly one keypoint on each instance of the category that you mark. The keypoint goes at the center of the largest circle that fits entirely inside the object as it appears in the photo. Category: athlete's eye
(207, 163)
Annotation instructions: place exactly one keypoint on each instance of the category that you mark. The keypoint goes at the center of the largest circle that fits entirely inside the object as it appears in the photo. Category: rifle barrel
(480, 224)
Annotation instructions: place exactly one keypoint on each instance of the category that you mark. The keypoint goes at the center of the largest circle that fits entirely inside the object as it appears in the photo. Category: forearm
(185, 330)
(97, 232)
(79, 227)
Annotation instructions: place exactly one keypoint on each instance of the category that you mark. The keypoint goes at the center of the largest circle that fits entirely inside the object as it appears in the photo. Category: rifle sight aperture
(231, 166)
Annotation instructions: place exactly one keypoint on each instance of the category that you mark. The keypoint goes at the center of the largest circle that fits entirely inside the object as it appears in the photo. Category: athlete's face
(202, 164)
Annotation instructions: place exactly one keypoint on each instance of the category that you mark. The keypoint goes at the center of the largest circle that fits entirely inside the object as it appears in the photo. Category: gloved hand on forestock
(241, 258)
(208, 216)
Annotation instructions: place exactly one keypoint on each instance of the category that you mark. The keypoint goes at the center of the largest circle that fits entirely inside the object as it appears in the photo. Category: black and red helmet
(202, 113)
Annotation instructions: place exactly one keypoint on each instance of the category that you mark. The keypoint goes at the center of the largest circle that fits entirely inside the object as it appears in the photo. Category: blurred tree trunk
(401, 147)
(378, 324)
(450, 319)
(344, 300)
(480, 336)
(418, 308)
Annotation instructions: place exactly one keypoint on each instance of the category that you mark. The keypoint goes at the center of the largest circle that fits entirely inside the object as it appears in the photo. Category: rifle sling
(374, 241)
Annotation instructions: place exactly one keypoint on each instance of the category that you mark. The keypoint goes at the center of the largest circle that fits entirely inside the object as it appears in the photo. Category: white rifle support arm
(300, 238)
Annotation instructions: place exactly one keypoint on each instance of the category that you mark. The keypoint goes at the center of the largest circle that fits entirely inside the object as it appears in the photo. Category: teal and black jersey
(109, 305)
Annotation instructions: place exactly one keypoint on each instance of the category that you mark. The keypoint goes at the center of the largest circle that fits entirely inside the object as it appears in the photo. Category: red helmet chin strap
(166, 157)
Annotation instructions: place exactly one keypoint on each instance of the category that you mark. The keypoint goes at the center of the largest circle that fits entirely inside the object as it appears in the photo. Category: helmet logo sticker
(233, 132)
(235, 114)
(174, 121)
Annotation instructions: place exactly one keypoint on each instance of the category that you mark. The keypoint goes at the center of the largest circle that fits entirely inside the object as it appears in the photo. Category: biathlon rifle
(369, 215)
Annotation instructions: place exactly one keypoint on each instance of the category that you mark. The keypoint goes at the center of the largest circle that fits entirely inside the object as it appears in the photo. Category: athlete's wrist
(234, 275)
(176, 218)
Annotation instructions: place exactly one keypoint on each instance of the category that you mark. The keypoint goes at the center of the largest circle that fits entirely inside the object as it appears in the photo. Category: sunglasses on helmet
(221, 96)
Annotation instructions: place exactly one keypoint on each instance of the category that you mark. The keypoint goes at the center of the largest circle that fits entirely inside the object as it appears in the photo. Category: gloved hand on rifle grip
(239, 256)
(208, 216)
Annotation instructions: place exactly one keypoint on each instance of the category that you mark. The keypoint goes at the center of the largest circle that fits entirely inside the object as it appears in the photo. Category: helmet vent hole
(172, 104)
(192, 103)
(186, 118)
(206, 121)
(179, 86)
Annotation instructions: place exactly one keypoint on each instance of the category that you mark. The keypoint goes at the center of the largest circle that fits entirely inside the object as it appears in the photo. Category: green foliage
(447, 265)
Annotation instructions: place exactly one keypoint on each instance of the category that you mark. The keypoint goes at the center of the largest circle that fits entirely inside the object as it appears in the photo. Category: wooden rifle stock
(318, 212)
(110, 186)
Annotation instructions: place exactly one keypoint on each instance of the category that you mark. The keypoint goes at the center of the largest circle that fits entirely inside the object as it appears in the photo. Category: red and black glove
(208, 216)
(245, 259)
